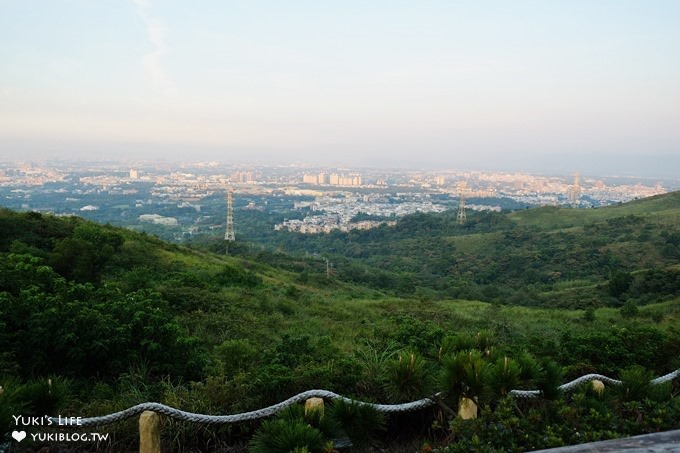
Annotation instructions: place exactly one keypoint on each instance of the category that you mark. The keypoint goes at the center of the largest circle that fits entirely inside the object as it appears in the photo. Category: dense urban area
(180, 200)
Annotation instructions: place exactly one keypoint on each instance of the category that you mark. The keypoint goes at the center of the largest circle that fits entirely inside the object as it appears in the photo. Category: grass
(264, 316)
(665, 206)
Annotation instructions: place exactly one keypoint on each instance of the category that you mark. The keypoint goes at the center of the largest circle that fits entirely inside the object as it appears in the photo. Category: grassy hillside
(550, 256)
(114, 318)
(664, 207)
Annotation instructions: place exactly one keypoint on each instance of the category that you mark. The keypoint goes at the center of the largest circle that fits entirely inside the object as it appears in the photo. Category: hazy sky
(461, 84)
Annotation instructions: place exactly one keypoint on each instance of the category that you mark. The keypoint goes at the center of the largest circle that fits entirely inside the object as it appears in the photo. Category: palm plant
(550, 379)
(407, 377)
(373, 359)
(503, 376)
(359, 421)
(283, 435)
(635, 384)
(463, 375)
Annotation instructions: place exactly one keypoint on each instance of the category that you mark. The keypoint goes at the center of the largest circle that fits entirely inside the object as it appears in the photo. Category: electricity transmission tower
(229, 233)
(462, 217)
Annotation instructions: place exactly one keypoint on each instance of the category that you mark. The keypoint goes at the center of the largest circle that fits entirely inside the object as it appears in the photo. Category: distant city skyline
(550, 87)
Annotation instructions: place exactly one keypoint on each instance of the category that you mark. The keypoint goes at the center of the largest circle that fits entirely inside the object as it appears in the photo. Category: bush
(359, 421)
(235, 355)
(550, 379)
(373, 360)
(10, 404)
(407, 378)
(629, 309)
(463, 375)
(237, 276)
(284, 436)
(294, 430)
(502, 377)
(635, 384)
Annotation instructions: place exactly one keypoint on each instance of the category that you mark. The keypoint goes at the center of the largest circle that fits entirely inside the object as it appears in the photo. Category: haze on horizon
(578, 85)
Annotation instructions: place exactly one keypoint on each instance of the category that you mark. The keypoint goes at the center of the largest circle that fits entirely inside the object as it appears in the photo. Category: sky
(542, 85)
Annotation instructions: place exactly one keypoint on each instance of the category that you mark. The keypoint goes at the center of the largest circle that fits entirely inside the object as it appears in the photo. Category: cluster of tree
(75, 300)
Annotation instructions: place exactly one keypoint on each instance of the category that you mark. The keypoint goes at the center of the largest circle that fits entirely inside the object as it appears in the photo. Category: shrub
(502, 377)
(463, 375)
(294, 430)
(550, 379)
(285, 435)
(235, 355)
(10, 404)
(236, 276)
(629, 309)
(43, 396)
(373, 360)
(407, 377)
(589, 315)
(359, 421)
(635, 384)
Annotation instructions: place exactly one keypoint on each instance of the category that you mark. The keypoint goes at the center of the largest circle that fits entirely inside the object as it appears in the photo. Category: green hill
(665, 207)
(114, 318)
(546, 256)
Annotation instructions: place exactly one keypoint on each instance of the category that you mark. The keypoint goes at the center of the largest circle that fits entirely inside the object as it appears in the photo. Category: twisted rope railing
(301, 397)
(571, 385)
(235, 418)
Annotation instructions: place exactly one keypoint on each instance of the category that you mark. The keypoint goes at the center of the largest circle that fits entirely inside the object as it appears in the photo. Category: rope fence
(325, 394)
(571, 385)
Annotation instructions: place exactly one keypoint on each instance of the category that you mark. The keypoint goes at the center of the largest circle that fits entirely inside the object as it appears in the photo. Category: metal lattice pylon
(462, 189)
(461, 208)
(229, 233)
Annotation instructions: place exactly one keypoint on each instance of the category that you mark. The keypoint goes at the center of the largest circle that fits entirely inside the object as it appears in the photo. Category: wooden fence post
(598, 386)
(314, 404)
(149, 432)
(467, 409)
